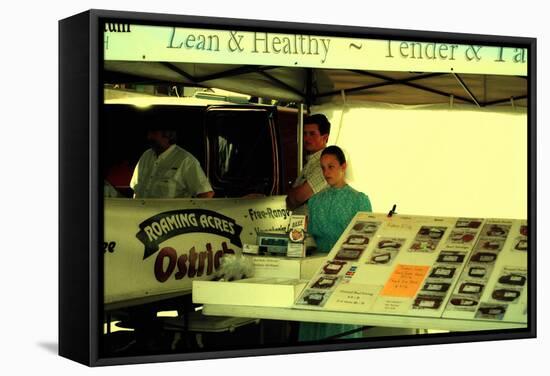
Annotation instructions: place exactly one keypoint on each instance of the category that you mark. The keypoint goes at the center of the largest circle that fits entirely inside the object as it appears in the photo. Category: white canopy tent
(316, 86)
(434, 136)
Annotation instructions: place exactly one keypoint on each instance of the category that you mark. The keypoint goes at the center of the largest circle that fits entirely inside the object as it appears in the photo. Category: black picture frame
(80, 189)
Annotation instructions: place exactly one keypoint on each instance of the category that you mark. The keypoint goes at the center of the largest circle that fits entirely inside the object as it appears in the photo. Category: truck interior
(237, 146)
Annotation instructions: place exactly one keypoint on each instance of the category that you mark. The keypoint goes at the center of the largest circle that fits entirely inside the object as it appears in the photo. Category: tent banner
(156, 247)
(128, 42)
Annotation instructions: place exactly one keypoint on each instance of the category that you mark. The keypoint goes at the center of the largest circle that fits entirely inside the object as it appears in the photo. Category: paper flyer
(427, 239)
(510, 285)
(386, 250)
(476, 274)
(353, 298)
(440, 280)
(405, 281)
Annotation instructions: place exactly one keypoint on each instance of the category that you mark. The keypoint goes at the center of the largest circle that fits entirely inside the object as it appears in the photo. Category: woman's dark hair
(336, 151)
(322, 123)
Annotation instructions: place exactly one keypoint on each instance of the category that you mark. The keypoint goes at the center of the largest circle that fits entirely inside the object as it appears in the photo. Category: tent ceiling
(291, 84)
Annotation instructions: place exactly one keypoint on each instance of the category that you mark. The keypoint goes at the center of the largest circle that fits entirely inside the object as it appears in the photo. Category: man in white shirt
(168, 171)
(311, 179)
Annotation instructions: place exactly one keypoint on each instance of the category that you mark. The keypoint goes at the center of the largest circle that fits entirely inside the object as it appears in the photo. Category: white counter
(395, 321)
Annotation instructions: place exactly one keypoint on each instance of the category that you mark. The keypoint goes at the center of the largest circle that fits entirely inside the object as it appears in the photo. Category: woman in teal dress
(330, 212)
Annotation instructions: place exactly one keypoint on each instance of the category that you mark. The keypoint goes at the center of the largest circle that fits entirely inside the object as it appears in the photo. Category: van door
(242, 150)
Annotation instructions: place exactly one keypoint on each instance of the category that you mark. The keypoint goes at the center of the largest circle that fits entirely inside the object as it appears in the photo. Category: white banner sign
(125, 42)
(155, 247)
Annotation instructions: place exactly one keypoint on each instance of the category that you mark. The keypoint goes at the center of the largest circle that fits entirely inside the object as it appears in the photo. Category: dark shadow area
(52, 347)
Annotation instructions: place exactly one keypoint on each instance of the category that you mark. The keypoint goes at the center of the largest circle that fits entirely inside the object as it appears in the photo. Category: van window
(123, 132)
(241, 147)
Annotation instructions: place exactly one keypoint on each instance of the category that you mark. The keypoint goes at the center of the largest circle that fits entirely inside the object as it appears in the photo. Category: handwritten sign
(391, 305)
(405, 280)
(356, 298)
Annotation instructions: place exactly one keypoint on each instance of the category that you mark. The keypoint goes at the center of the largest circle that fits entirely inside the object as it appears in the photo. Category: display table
(418, 272)
(293, 314)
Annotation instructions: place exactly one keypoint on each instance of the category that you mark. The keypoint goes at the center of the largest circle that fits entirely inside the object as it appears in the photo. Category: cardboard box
(286, 267)
(259, 292)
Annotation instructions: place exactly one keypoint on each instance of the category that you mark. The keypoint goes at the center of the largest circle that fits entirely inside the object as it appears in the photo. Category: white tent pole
(466, 89)
(343, 94)
(300, 137)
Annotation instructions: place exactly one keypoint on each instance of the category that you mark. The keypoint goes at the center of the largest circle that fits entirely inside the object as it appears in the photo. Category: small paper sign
(405, 281)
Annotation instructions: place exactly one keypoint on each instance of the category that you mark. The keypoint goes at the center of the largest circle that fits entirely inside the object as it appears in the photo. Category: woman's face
(333, 171)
